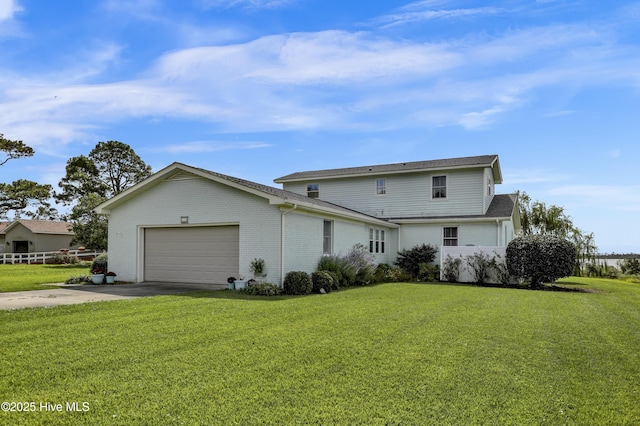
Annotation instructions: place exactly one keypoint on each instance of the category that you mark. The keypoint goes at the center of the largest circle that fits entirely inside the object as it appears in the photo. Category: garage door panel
(197, 254)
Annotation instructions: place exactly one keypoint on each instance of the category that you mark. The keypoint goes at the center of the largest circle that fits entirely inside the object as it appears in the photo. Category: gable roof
(275, 196)
(395, 168)
(40, 226)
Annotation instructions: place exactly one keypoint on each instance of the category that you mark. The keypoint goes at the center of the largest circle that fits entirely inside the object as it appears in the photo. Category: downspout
(498, 233)
(282, 215)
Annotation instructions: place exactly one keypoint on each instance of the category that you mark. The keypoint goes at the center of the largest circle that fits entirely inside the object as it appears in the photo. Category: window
(381, 186)
(489, 187)
(326, 237)
(313, 190)
(376, 240)
(439, 187)
(450, 236)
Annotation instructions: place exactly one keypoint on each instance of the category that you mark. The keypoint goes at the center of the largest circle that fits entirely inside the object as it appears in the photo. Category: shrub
(66, 259)
(354, 268)
(343, 273)
(81, 279)
(297, 282)
(502, 272)
(480, 265)
(100, 263)
(428, 272)
(389, 274)
(630, 266)
(262, 289)
(335, 282)
(410, 259)
(451, 268)
(321, 280)
(540, 258)
(361, 261)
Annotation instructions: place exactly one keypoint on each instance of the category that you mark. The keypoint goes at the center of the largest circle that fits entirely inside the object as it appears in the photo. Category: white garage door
(191, 255)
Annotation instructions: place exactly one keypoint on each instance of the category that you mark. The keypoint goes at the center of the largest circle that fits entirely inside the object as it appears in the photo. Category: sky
(259, 89)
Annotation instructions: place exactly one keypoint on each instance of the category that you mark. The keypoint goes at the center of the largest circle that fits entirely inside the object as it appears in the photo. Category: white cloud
(625, 198)
(8, 8)
(211, 146)
(248, 4)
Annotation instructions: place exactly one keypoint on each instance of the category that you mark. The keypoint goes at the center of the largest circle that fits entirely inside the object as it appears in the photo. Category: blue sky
(262, 88)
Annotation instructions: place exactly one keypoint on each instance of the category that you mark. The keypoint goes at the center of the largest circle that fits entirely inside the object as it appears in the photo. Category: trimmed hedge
(409, 260)
(297, 282)
(540, 258)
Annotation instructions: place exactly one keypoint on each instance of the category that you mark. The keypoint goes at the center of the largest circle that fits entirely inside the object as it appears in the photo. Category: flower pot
(110, 279)
(232, 286)
(97, 278)
(240, 284)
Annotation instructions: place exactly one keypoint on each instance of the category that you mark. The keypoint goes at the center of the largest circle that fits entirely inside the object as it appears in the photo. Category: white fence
(43, 257)
(466, 275)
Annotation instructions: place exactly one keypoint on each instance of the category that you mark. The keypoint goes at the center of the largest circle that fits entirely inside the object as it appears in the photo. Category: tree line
(108, 169)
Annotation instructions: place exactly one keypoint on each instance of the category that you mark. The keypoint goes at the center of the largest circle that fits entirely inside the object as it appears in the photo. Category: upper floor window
(439, 187)
(313, 190)
(450, 236)
(376, 240)
(381, 186)
(327, 237)
(489, 187)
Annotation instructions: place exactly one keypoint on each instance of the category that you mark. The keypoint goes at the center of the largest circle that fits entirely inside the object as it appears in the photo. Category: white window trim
(326, 253)
(450, 239)
(384, 187)
(446, 187)
(316, 191)
(377, 240)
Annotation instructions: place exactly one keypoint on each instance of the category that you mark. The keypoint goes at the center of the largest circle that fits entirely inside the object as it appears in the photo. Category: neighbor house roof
(275, 195)
(502, 207)
(40, 226)
(408, 167)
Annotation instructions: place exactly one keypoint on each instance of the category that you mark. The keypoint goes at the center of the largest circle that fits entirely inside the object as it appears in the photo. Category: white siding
(476, 234)
(489, 189)
(204, 202)
(408, 195)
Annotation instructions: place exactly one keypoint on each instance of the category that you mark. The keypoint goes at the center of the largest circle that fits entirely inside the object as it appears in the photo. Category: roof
(40, 226)
(502, 207)
(408, 167)
(275, 195)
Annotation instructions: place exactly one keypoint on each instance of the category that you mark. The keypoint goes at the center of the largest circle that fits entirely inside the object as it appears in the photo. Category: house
(28, 236)
(187, 224)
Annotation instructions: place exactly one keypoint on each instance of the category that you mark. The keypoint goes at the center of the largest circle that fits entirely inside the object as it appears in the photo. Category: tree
(537, 218)
(110, 168)
(21, 194)
(14, 149)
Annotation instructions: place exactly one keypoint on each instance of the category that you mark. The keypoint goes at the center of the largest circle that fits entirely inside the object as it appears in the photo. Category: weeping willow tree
(537, 218)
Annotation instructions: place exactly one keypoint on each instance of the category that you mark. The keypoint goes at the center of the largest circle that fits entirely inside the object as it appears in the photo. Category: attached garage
(200, 254)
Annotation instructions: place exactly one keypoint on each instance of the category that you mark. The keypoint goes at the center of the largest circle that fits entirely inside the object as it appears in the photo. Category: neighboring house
(187, 224)
(28, 236)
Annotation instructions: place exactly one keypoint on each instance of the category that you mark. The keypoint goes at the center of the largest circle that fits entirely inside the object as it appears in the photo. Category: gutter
(282, 215)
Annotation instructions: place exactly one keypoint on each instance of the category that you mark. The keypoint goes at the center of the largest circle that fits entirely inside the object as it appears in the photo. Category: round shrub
(321, 280)
(540, 258)
(297, 282)
(100, 263)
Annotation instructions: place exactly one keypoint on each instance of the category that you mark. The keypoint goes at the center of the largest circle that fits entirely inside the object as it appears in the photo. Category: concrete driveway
(73, 294)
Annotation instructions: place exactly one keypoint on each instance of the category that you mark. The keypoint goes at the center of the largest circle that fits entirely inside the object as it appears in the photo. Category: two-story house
(186, 224)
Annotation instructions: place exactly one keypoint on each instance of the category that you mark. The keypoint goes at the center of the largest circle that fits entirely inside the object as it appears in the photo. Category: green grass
(23, 277)
(387, 354)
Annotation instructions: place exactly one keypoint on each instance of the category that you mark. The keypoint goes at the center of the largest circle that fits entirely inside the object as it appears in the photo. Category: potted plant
(232, 283)
(97, 276)
(240, 283)
(110, 277)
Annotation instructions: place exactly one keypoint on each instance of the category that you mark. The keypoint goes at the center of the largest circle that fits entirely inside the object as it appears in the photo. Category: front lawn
(23, 277)
(386, 354)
